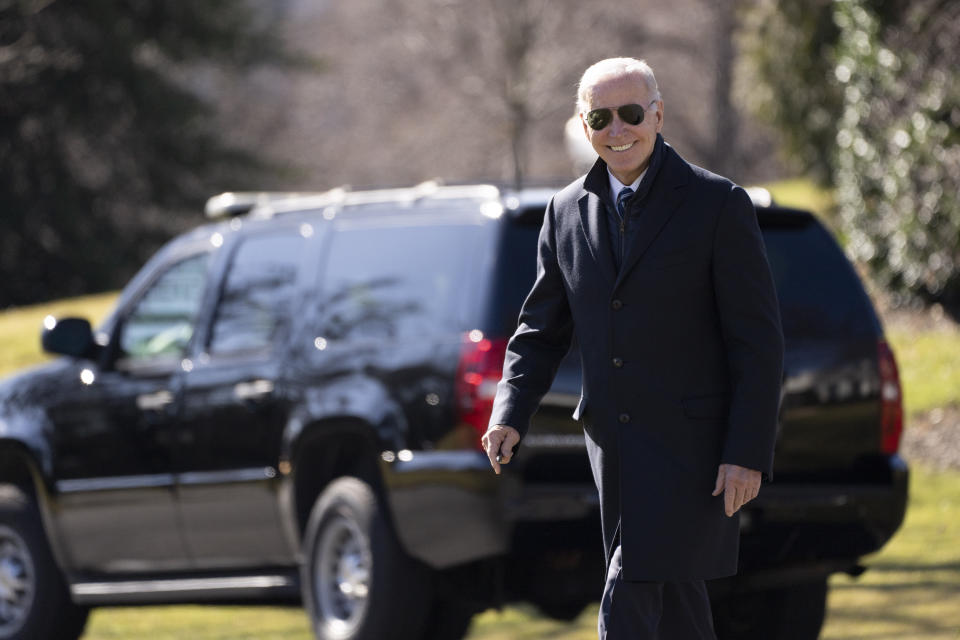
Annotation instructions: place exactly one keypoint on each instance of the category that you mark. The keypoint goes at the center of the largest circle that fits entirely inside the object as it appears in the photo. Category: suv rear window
(515, 272)
(820, 295)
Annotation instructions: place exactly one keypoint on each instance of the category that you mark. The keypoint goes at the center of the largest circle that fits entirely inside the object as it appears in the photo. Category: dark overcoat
(682, 355)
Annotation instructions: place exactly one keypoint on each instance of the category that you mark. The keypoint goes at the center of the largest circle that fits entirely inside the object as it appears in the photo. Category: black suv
(287, 403)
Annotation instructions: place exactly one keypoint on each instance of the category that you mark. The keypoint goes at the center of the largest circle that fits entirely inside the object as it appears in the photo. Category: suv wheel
(34, 600)
(357, 582)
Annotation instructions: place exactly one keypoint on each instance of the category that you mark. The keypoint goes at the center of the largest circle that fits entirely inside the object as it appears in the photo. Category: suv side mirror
(69, 337)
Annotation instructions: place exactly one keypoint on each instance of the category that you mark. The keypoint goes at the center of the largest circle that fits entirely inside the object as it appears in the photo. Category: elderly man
(658, 267)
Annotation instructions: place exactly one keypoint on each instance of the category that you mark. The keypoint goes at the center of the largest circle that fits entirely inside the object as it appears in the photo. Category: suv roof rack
(266, 204)
(237, 203)
(342, 196)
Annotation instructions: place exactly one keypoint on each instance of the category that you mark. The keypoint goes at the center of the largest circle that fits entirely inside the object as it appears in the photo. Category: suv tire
(357, 582)
(35, 603)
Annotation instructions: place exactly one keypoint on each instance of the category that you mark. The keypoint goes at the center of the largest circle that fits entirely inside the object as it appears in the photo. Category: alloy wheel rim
(342, 575)
(17, 581)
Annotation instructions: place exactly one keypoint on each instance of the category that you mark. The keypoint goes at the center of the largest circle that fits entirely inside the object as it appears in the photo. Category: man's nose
(617, 125)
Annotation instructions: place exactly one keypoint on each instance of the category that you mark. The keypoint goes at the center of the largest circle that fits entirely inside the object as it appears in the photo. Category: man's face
(624, 147)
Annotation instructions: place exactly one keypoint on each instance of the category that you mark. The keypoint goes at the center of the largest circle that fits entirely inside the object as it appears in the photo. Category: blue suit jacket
(682, 356)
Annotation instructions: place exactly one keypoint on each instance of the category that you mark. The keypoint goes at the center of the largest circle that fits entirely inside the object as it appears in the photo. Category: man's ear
(583, 122)
(659, 115)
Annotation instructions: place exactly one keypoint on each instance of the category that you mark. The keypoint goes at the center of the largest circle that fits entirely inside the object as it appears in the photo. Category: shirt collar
(616, 186)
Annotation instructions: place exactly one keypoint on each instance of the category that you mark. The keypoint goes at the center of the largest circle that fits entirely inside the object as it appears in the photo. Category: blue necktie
(622, 198)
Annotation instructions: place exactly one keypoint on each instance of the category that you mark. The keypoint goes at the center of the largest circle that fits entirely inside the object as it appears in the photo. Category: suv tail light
(479, 371)
(891, 400)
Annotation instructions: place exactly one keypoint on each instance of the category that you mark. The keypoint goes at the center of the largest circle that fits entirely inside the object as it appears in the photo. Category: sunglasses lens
(599, 118)
(631, 113)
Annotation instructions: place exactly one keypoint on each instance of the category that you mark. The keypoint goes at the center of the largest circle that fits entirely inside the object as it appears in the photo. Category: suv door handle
(154, 401)
(253, 390)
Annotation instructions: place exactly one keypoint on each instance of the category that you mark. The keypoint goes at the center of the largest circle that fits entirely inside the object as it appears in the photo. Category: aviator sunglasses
(630, 113)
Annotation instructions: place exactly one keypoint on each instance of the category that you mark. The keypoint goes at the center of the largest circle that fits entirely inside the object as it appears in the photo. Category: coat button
(624, 418)
(616, 305)
(618, 362)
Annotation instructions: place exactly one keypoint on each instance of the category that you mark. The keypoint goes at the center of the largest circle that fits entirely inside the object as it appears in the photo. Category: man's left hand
(738, 485)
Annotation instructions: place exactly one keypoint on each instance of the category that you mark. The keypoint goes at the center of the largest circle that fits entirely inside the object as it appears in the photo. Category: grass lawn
(802, 194)
(929, 363)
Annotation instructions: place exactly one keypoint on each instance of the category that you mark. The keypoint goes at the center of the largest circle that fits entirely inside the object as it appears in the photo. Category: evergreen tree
(106, 146)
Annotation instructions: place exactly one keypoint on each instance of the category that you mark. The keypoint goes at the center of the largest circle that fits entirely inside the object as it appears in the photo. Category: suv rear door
(235, 409)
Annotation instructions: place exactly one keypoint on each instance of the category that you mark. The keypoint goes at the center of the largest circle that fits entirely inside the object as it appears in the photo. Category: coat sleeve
(753, 338)
(541, 340)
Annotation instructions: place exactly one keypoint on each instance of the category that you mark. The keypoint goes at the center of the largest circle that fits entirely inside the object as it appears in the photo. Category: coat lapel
(665, 196)
(593, 220)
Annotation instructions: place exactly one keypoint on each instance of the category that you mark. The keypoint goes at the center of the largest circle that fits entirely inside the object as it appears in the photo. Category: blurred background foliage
(896, 161)
(119, 119)
(866, 96)
(104, 148)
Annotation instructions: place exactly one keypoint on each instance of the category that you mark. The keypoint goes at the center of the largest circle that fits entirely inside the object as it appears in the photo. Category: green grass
(929, 364)
(801, 193)
(199, 623)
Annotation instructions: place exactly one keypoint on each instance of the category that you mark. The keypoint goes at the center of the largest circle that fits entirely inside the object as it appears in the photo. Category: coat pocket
(715, 406)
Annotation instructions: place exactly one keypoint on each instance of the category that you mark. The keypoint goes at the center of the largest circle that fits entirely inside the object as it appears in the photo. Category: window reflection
(392, 282)
(254, 307)
(162, 322)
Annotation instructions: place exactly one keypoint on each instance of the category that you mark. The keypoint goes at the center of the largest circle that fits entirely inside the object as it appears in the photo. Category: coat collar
(664, 193)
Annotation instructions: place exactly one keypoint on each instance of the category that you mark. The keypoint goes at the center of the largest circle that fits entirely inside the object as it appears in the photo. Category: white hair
(615, 67)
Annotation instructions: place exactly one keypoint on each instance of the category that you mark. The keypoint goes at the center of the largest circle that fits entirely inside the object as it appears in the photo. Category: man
(658, 267)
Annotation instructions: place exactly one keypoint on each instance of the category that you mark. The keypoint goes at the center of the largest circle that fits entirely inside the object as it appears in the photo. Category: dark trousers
(678, 610)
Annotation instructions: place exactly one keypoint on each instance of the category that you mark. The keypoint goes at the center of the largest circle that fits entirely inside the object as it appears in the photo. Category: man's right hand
(500, 440)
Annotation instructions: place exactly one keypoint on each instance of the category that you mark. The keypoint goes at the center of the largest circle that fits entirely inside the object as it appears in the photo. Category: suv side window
(255, 304)
(162, 321)
(393, 281)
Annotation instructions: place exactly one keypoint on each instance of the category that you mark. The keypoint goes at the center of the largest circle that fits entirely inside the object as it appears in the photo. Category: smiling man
(659, 270)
